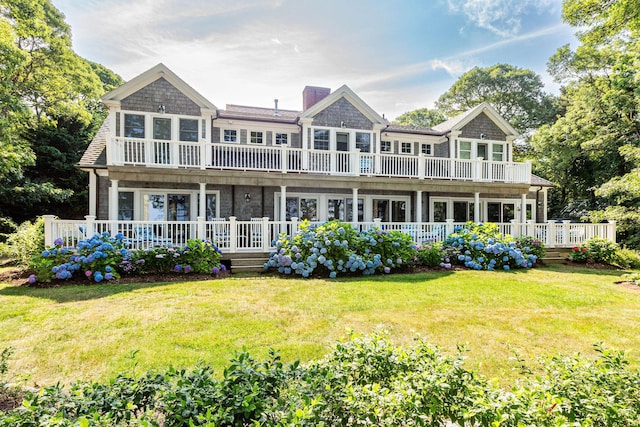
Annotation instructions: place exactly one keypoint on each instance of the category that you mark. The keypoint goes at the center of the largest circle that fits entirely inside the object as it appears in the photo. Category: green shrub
(365, 380)
(594, 250)
(27, 241)
(627, 258)
(430, 254)
(197, 256)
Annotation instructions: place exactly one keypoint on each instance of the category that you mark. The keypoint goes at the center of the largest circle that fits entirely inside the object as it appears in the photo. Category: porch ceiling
(311, 181)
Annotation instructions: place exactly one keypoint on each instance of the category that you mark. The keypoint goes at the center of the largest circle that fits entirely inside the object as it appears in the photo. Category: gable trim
(344, 92)
(492, 114)
(113, 98)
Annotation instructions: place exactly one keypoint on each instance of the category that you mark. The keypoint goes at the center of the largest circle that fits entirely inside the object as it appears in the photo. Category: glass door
(162, 140)
(342, 157)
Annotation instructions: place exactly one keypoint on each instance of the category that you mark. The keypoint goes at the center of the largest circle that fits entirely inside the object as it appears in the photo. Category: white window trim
(332, 138)
(237, 141)
(401, 148)
(390, 151)
(424, 144)
(175, 124)
(273, 137)
(250, 136)
(483, 205)
(367, 200)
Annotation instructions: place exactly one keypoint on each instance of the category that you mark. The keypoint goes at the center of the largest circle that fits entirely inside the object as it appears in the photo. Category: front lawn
(91, 332)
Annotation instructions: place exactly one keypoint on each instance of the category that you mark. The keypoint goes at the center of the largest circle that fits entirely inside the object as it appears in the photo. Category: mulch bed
(17, 278)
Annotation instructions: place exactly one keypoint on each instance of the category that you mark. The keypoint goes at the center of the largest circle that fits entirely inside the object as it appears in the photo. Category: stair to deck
(246, 262)
(555, 255)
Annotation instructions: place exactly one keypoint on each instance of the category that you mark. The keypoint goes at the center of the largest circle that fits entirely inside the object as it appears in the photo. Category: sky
(397, 55)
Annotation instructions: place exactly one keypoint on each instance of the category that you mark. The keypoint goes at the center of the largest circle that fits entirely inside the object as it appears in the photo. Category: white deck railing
(284, 159)
(234, 236)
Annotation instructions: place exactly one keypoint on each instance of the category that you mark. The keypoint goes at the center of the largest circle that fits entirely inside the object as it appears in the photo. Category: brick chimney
(311, 95)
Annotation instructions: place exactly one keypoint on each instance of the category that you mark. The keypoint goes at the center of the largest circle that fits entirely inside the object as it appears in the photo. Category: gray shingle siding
(441, 150)
(342, 111)
(482, 124)
(160, 92)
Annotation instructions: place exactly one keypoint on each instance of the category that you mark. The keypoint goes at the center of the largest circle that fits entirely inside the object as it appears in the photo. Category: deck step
(246, 261)
(556, 255)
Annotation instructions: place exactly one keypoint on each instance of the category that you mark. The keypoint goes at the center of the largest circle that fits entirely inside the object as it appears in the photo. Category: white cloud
(452, 67)
(502, 17)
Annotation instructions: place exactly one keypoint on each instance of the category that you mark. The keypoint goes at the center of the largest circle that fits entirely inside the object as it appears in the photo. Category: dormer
(159, 105)
(340, 121)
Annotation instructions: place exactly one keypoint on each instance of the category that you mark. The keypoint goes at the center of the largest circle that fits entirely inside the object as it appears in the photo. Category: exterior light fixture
(343, 125)
(247, 197)
(161, 109)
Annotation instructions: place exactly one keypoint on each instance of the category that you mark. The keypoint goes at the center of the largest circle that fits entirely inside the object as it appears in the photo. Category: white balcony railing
(234, 236)
(284, 159)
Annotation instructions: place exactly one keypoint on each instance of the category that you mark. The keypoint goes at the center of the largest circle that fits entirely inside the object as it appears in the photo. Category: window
(360, 210)
(336, 209)
(381, 209)
(321, 139)
(463, 211)
(398, 211)
(385, 146)
(363, 142)
(281, 138)
(406, 148)
(425, 149)
(309, 209)
(230, 135)
(342, 141)
(256, 137)
(439, 211)
(464, 150)
(125, 206)
(178, 207)
(189, 130)
(161, 128)
(292, 208)
(134, 126)
(498, 152)
(212, 211)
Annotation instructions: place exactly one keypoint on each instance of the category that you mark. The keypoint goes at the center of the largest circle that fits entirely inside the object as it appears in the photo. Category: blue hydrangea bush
(104, 258)
(483, 247)
(336, 247)
(97, 258)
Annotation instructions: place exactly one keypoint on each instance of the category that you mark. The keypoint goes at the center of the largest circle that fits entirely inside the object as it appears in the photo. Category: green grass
(89, 332)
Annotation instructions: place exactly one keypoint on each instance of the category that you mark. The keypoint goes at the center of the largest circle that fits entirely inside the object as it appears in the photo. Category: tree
(49, 110)
(601, 21)
(592, 150)
(516, 93)
(422, 117)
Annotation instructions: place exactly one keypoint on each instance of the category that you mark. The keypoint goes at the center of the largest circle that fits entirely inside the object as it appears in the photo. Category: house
(166, 153)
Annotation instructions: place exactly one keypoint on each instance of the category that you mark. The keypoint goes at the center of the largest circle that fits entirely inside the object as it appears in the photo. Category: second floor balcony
(285, 159)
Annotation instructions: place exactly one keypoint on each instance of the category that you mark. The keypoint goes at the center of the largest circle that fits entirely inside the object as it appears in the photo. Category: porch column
(523, 208)
(476, 207)
(93, 186)
(283, 203)
(113, 200)
(354, 206)
(202, 211)
(419, 206)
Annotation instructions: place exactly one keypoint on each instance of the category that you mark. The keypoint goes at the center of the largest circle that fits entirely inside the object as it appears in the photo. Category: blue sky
(396, 55)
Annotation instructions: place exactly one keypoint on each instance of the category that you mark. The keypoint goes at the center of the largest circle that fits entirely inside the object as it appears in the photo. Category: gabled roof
(95, 152)
(539, 181)
(151, 75)
(345, 92)
(258, 113)
(459, 121)
(419, 130)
